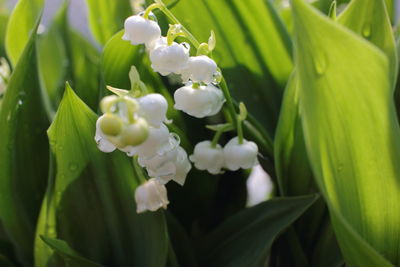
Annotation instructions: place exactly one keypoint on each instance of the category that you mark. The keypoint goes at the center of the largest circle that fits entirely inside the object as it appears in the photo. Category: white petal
(206, 157)
(169, 59)
(201, 102)
(139, 30)
(240, 155)
(153, 107)
(151, 196)
(199, 69)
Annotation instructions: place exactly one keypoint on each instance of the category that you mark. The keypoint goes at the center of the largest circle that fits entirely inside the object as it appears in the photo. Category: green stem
(149, 9)
(138, 171)
(229, 102)
(171, 16)
(218, 134)
(239, 130)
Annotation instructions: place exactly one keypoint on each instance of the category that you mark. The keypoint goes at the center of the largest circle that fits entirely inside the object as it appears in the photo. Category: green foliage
(341, 135)
(20, 26)
(24, 152)
(320, 89)
(107, 17)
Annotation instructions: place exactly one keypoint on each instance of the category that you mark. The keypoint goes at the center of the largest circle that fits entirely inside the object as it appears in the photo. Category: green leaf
(253, 49)
(20, 27)
(106, 17)
(71, 256)
(351, 134)
(246, 238)
(370, 19)
(3, 23)
(52, 62)
(103, 185)
(23, 152)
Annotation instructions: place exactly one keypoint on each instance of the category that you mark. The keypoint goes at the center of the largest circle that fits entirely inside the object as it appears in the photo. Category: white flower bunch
(136, 126)
(200, 96)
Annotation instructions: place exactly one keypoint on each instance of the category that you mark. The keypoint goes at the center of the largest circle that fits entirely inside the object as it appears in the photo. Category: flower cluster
(199, 97)
(135, 125)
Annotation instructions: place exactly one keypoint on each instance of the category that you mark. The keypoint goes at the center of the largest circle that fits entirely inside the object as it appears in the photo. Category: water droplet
(60, 147)
(320, 64)
(217, 77)
(340, 168)
(73, 166)
(152, 17)
(366, 30)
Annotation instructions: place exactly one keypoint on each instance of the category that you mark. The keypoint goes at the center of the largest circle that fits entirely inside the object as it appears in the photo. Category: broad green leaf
(351, 133)
(246, 238)
(23, 153)
(370, 19)
(253, 49)
(71, 256)
(103, 185)
(84, 67)
(106, 17)
(53, 63)
(20, 26)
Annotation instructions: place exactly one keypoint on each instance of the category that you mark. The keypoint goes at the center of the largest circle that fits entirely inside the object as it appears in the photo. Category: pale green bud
(110, 124)
(135, 133)
(107, 102)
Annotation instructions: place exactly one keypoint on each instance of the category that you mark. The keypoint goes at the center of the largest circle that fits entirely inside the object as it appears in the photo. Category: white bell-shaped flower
(139, 30)
(206, 157)
(156, 143)
(240, 155)
(151, 196)
(199, 102)
(199, 69)
(153, 107)
(166, 59)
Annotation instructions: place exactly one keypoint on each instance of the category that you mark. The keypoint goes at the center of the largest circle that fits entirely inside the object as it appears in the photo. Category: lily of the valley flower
(173, 165)
(153, 107)
(199, 69)
(156, 143)
(199, 102)
(166, 59)
(207, 157)
(139, 30)
(151, 196)
(240, 155)
(4, 75)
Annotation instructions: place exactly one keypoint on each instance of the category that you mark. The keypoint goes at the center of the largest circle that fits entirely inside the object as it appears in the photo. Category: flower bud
(153, 107)
(139, 30)
(151, 196)
(206, 157)
(200, 102)
(199, 69)
(110, 124)
(136, 133)
(167, 59)
(240, 155)
(101, 139)
(107, 102)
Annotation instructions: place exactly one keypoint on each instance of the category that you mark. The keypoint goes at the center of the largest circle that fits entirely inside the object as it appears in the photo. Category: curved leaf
(257, 227)
(21, 25)
(351, 132)
(106, 17)
(23, 152)
(370, 19)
